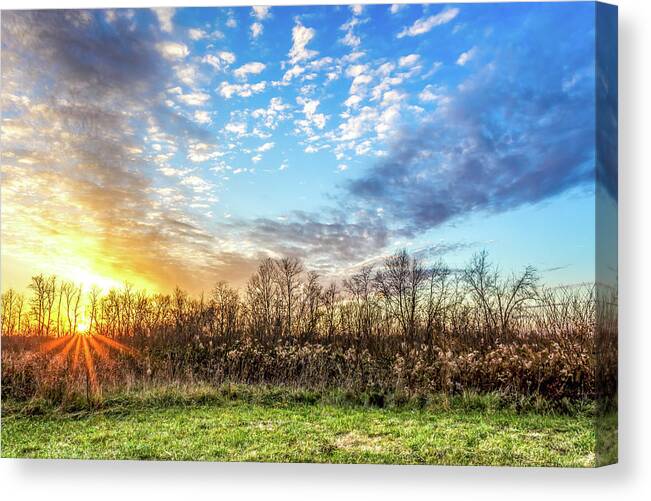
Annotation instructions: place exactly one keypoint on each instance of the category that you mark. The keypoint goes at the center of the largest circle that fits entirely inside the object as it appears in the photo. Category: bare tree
(8, 314)
(39, 287)
(20, 302)
(179, 307)
(72, 295)
(49, 302)
(127, 299)
(225, 303)
(498, 298)
(481, 280)
(288, 273)
(330, 298)
(311, 303)
(514, 293)
(437, 299)
(93, 304)
(263, 295)
(361, 287)
(59, 310)
(400, 284)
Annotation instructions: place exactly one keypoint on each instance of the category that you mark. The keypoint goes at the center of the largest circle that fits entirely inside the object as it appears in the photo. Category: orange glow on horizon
(83, 274)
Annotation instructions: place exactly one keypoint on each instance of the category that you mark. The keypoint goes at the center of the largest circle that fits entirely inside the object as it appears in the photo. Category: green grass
(224, 425)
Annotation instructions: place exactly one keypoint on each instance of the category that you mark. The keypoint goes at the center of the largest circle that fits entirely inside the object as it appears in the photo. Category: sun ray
(89, 364)
(98, 348)
(83, 348)
(63, 354)
(75, 356)
(54, 343)
(116, 345)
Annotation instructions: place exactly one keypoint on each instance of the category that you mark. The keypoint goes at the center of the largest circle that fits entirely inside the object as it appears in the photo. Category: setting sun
(83, 326)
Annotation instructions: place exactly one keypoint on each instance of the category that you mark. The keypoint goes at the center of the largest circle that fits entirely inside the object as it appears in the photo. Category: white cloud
(358, 86)
(351, 39)
(357, 9)
(320, 64)
(466, 56)
(172, 50)
(231, 23)
(392, 96)
(352, 57)
(228, 57)
(342, 167)
(202, 117)
(386, 68)
(386, 83)
(256, 159)
(199, 185)
(352, 101)
(356, 126)
(312, 117)
(200, 152)
(387, 121)
(431, 94)
(227, 90)
(220, 60)
(257, 132)
(238, 128)
(265, 147)
(212, 60)
(194, 98)
(301, 36)
(363, 148)
(437, 65)
(319, 120)
(260, 12)
(309, 105)
(256, 30)
(253, 68)
(293, 72)
(273, 114)
(170, 171)
(409, 60)
(197, 34)
(397, 7)
(164, 15)
(356, 70)
(187, 74)
(425, 24)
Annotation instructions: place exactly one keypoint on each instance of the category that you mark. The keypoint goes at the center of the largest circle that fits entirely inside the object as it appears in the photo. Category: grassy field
(294, 430)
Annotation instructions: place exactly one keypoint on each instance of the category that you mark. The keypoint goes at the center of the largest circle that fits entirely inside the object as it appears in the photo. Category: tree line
(403, 296)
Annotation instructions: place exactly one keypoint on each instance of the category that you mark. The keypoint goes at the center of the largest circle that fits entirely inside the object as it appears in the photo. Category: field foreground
(240, 430)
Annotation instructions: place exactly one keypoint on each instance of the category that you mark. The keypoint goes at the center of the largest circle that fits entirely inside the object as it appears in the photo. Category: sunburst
(84, 349)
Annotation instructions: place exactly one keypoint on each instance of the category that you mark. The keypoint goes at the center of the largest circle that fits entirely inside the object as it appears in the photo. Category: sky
(172, 147)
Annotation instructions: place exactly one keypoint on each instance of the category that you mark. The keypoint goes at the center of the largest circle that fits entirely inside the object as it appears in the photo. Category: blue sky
(182, 145)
